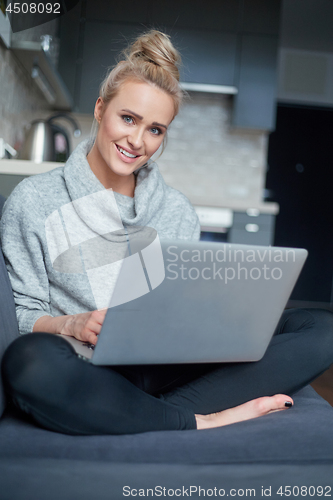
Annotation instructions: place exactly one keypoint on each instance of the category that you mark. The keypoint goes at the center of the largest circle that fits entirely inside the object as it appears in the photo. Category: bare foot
(251, 409)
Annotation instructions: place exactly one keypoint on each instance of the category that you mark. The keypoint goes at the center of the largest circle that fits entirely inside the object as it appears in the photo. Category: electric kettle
(46, 141)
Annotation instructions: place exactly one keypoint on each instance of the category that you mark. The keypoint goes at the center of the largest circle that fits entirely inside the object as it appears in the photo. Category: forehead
(146, 100)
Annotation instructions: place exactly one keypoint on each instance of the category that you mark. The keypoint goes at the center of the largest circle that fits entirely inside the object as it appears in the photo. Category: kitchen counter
(244, 206)
(26, 167)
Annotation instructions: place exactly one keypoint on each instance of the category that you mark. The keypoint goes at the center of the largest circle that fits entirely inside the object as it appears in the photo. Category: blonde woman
(45, 378)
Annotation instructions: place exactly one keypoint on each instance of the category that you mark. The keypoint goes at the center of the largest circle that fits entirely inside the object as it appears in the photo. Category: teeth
(126, 153)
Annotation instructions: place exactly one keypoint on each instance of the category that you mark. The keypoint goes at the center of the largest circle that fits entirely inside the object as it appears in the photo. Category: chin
(123, 171)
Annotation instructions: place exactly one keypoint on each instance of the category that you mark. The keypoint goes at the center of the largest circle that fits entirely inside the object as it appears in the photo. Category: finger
(99, 315)
(93, 327)
(103, 310)
(92, 338)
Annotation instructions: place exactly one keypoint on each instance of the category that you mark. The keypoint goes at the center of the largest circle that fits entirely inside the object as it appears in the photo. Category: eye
(128, 119)
(156, 131)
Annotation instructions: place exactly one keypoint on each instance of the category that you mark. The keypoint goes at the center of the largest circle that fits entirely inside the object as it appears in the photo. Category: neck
(118, 183)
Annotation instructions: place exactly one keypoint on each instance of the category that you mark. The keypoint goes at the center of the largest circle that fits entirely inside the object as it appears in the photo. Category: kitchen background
(251, 146)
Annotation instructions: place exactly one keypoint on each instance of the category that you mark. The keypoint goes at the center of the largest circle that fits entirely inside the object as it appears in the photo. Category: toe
(274, 403)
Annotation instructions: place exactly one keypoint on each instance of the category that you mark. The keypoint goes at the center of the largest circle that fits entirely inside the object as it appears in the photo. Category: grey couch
(260, 457)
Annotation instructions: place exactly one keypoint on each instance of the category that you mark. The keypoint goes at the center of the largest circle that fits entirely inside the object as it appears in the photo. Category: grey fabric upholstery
(302, 434)
(37, 479)
(8, 322)
(294, 447)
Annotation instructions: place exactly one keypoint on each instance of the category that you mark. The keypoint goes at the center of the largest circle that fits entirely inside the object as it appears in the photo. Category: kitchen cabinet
(12, 172)
(31, 55)
(8, 182)
(207, 56)
(255, 104)
(300, 179)
(218, 15)
(209, 14)
(130, 11)
(261, 17)
(102, 44)
(252, 16)
(223, 42)
(69, 64)
(252, 228)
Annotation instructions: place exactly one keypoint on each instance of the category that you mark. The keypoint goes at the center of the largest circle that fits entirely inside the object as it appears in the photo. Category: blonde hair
(151, 58)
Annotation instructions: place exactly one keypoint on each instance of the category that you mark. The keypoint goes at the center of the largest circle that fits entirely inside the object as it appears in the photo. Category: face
(131, 127)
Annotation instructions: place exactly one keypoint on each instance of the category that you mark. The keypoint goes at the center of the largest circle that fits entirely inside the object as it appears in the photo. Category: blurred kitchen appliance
(6, 151)
(46, 141)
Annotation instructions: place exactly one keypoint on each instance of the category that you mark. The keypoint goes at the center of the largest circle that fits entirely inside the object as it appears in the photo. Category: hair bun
(151, 58)
(155, 47)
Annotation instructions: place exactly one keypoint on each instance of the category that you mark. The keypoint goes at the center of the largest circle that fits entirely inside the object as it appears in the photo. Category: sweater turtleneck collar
(149, 194)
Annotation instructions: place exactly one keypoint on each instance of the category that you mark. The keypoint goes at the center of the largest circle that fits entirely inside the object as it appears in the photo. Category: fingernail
(288, 404)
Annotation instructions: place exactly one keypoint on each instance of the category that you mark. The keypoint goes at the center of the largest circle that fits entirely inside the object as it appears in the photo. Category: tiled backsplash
(210, 162)
(19, 98)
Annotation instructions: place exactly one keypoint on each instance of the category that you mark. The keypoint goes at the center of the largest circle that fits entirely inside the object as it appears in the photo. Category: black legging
(47, 380)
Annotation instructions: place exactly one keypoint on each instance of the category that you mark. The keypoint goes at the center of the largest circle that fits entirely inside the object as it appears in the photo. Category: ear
(99, 108)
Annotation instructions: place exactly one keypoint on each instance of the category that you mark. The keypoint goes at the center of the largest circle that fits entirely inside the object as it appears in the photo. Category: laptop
(194, 302)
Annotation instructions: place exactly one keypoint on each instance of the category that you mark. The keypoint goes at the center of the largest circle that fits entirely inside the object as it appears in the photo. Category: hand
(84, 326)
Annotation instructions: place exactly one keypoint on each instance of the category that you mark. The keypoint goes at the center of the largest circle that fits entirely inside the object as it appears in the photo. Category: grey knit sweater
(40, 289)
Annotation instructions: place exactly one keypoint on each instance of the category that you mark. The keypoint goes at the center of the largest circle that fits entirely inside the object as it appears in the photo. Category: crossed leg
(63, 393)
(301, 349)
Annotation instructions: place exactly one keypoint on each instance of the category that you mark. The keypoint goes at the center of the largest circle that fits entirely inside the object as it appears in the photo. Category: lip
(128, 150)
(125, 158)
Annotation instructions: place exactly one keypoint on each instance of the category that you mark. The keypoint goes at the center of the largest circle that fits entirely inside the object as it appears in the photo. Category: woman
(138, 101)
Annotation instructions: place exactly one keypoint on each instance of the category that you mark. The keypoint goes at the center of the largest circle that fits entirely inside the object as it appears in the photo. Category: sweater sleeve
(190, 227)
(22, 232)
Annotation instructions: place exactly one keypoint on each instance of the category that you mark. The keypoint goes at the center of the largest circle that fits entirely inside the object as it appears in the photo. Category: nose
(135, 138)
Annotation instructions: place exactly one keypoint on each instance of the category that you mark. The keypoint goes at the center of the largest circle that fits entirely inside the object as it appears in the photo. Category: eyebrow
(141, 118)
(160, 125)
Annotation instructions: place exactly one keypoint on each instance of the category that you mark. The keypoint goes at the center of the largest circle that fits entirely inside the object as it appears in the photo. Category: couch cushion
(302, 434)
(8, 323)
(53, 479)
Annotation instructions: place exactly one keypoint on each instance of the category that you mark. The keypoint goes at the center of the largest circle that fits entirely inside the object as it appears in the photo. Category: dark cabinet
(300, 179)
(261, 17)
(68, 65)
(102, 44)
(255, 104)
(252, 229)
(218, 15)
(130, 11)
(207, 56)
(223, 42)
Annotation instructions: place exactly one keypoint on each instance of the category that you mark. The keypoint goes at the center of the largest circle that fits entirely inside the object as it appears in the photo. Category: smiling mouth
(126, 153)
